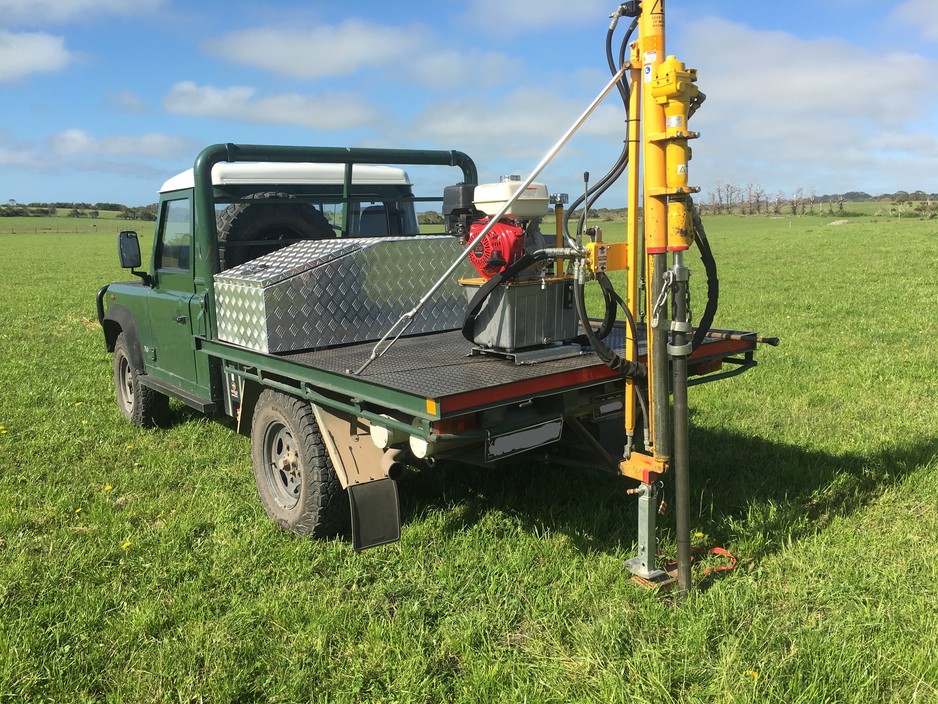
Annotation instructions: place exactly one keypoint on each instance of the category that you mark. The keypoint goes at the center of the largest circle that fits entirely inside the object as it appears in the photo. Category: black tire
(139, 404)
(296, 482)
(275, 224)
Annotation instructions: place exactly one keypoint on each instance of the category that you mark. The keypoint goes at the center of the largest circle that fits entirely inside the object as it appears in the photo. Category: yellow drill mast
(662, 93)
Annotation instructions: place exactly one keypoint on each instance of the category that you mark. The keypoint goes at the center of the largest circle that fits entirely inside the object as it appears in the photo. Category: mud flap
(376, 514)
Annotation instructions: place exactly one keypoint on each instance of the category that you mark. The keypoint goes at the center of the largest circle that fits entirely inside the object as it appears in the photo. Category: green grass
(107, 221)
(138, 565)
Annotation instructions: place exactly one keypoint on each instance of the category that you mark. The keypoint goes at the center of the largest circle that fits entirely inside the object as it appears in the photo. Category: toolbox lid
(288, 262)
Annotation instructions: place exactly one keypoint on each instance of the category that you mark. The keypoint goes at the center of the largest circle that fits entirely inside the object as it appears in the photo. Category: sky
(102, 100)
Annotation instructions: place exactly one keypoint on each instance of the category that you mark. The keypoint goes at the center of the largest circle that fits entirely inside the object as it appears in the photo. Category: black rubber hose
(475, 305)
(609, 314)
(623, 84)
(643, 403)
(622, 161)
(607, 180)
(606, 286)
(713, 281)
(625, 92)
(588, 198)
(603, 351)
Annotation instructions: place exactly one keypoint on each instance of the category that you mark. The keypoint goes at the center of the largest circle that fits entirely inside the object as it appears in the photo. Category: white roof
(261, 172)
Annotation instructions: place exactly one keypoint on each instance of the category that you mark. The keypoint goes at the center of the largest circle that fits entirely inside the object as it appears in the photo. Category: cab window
(175, 235)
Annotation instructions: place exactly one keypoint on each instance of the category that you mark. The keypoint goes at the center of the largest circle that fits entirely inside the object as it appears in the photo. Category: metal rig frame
(662, 93)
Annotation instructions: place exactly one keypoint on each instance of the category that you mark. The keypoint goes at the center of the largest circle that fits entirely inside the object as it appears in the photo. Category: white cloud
(75, 154)
(523, 124)
(318, 52)
(787, 77)
(448, 69)
(127, 101)
(355, 45)
(241, 103)
(26, 53)
(20, 156)
(922, 14)
(516, 16)
(905, 143)
(77, 142)
(34, 12)
(790, 112)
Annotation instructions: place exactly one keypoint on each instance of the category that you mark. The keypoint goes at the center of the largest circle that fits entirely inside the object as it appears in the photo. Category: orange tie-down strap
(721, 552)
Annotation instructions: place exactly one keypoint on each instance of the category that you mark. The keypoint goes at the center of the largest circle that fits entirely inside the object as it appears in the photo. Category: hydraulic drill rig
(527, 293)
(659, 95)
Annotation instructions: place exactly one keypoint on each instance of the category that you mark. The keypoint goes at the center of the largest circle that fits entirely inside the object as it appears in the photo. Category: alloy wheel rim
(282, 466)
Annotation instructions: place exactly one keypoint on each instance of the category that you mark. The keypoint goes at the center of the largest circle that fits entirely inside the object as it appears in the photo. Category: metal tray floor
(438, 365)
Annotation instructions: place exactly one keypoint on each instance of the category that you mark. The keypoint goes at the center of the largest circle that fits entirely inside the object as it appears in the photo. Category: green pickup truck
(274, 272)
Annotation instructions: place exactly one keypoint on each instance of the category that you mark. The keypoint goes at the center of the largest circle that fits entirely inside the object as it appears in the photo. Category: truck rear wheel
(296, 482)
(268, 225)
(139, 404)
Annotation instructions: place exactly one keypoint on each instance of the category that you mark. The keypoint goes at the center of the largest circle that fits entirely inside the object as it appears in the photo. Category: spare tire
(269, 226)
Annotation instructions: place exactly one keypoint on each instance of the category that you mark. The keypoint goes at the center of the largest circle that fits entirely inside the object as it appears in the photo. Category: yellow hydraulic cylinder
(680, 225)
(673, 89)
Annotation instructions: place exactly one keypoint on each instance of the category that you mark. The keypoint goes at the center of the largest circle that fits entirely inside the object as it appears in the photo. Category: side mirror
(128, 248)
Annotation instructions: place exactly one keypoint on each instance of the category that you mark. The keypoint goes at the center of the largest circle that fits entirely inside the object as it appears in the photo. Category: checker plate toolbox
(324, 293)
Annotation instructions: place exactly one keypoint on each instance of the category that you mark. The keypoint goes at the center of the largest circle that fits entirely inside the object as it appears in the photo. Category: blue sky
(104, 99)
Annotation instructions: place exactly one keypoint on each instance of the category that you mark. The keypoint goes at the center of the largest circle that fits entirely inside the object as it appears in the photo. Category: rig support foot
(643, 564)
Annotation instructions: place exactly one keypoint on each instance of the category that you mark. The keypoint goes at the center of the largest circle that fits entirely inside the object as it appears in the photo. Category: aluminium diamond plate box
(324, 293)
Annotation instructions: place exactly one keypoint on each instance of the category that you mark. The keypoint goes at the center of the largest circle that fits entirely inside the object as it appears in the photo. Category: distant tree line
(24, 211)
(146, 212)
(727, 198)
(752, 199)
(76, 210)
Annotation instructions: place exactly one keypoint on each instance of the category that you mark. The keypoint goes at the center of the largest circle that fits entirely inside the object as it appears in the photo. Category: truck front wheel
(139, 404)
(296, 481)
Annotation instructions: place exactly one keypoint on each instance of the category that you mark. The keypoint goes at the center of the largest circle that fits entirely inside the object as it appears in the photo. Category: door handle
(181, 319)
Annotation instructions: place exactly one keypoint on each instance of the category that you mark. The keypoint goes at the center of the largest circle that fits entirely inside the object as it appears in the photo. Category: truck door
(171, 354)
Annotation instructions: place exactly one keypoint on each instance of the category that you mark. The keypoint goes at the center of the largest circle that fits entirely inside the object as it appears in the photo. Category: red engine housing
(503, 245)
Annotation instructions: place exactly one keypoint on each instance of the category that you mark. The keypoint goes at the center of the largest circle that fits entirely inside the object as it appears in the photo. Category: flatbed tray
(441, 368)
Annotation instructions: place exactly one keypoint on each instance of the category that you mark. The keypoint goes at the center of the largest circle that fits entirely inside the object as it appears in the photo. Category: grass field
(107, 222)
(138, 566)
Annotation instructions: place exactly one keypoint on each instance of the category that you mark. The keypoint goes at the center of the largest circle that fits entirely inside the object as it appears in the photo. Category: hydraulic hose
(622, 161)
(603, 351)
(609, 314)
(607, 288)
(475, 305)
(713, 282)
(609, 292)
(606, 181)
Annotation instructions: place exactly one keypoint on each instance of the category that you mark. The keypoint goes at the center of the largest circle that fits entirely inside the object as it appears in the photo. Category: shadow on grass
(180, 414)
(743, 489)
